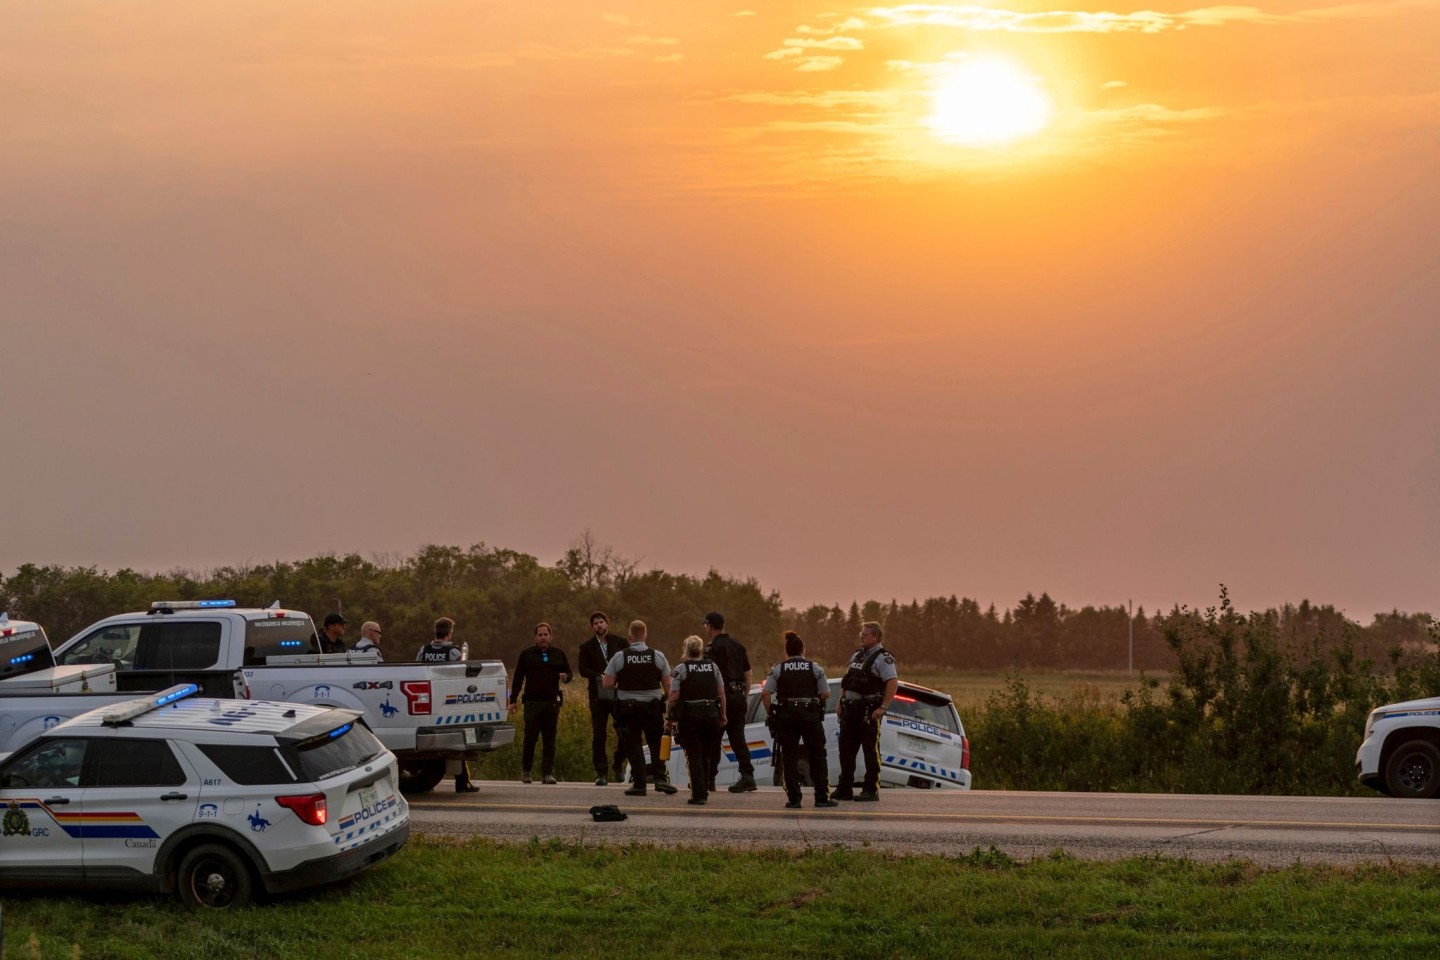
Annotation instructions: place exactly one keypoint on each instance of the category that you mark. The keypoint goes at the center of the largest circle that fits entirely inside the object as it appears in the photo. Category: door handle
(173, 796)
(57, 801)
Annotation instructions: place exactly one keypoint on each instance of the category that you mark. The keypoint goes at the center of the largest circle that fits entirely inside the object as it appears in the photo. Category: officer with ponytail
(697, 711)
(794, 696)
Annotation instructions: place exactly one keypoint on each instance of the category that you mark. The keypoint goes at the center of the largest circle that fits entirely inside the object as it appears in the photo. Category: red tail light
(309, 808)
(964, 753)
(417, 696)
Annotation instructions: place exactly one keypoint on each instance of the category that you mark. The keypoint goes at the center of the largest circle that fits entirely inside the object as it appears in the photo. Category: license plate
(915, 745)
(369, 796)
(470, 736)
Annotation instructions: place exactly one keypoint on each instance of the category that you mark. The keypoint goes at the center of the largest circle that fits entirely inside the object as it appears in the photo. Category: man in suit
(595, 655)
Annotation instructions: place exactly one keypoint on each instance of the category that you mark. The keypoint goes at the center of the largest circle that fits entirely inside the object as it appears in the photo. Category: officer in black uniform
(443, 650)
(794, 696)
(733, 660)
(697, 711)
(869, 686)
(332, 634)
(641, 676)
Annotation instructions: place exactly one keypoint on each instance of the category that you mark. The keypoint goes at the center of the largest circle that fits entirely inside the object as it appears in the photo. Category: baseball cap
(333, 618)
(714, 619)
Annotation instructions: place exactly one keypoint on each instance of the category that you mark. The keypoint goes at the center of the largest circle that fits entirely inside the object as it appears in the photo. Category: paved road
(1266, 830)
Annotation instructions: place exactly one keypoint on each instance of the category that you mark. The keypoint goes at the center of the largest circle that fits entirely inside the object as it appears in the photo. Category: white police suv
(215, 800)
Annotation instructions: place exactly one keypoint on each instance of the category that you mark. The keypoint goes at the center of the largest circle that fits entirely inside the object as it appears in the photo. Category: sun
(987, 102)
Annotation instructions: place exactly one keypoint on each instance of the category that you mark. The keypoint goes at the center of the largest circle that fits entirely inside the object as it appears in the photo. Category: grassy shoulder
(479, 898)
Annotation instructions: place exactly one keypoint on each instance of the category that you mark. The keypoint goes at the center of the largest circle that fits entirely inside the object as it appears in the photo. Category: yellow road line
(966, 817)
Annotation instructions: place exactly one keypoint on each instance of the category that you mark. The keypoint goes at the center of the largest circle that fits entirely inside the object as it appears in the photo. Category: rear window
(24, 652)
(925, 707)
(248, 765)
(342, 749)
(276, 637)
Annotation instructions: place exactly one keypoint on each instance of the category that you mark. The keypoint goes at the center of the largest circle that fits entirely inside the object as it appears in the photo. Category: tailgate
(467, 694)
(364, 808)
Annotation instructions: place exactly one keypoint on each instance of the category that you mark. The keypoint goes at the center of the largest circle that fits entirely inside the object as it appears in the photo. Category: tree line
(497, 595)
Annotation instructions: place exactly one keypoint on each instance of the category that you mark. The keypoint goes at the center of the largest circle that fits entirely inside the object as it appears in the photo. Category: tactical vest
(435, 653)
(700, 681)
(796, 681)
(860, 678)
(639, 671)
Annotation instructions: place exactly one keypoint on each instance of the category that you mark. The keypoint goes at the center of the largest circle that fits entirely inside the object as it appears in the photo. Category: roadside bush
(1241, 713)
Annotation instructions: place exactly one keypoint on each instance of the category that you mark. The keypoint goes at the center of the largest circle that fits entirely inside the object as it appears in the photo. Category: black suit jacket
(594, 660)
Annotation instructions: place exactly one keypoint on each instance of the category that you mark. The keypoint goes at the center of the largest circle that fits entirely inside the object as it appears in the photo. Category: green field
(476, 898)
(971, 690)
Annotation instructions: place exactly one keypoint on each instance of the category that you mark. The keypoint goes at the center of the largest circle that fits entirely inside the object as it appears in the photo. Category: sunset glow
(908, 299)
(987, 102)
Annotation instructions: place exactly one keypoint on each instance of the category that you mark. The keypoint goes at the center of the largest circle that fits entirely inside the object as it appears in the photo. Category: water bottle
(465, 650)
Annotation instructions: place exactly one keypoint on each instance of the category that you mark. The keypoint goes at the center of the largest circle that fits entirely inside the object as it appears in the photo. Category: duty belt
(703, 703)
(735, 685)
(801, 702)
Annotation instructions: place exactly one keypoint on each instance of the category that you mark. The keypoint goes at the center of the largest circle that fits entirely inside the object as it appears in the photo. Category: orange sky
(281, 278)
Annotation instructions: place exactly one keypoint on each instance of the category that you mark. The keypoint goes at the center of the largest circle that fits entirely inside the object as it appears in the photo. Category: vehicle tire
(213, 876)
(420, 776)
(1413, 770)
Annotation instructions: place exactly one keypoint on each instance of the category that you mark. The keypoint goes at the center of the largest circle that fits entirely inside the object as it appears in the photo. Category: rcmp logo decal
(16, 823)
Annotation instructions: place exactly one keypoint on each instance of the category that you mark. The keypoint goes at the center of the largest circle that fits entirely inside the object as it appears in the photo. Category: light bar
(341, 731)
(292, 643)
(131, 709)
(23, 659)
(190, 604)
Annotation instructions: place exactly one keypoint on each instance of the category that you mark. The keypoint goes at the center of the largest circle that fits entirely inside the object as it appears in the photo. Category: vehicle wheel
(214, 876)
(420, 776)
(1413, 770)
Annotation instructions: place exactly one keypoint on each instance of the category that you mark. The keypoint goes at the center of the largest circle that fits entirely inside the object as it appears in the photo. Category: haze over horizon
(722, 283)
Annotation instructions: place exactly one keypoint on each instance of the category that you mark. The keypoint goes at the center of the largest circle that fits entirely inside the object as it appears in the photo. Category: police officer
(641, 676)
(733, 660)
(794, 696)
(332, 634)
(869, 686)
(595, 655)
(443, 650)
(369, 641)
(697, 711)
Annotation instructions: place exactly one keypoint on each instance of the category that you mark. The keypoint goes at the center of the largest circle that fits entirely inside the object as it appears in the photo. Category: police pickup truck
(1400, 755)
(922, 743)
(426, 713)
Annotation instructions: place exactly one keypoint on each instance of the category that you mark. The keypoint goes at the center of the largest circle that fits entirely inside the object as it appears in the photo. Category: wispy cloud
(982, 19)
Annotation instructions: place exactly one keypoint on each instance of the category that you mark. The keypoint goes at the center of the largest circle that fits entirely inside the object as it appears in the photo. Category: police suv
(215, 800)
(922, 743)
(1400, 756)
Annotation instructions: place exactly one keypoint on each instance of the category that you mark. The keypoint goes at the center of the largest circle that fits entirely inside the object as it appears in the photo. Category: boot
(463, 784)
(745, 784)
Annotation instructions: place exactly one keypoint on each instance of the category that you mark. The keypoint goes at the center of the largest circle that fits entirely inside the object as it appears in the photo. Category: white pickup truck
(1400, 755)
(426, 713)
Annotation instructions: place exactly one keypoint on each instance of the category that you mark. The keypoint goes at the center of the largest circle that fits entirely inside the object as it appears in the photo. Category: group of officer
(704, 700)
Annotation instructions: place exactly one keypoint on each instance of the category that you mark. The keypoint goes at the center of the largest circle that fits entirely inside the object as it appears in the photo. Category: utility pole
(1130, 623)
